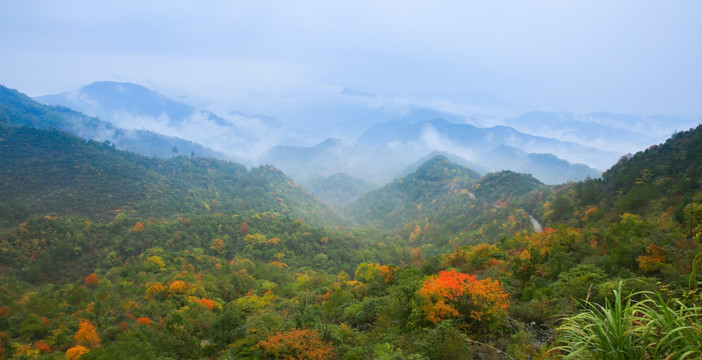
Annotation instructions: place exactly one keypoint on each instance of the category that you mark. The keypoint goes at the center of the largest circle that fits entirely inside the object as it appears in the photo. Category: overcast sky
(624, 56)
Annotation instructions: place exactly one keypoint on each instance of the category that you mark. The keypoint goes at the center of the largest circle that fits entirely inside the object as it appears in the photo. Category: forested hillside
(51, 172)
(106, 254)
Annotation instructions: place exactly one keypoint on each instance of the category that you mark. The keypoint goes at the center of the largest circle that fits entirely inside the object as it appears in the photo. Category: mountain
(426, 190)
(107, 99)
(661, 182)
(623, 133)
(17, 109)
(441, 206)
(134, 107)
(390, 148)
(333, 156)
(455, 159)
(671, 170)
(546, 167)
(48, 171)
(471, 141)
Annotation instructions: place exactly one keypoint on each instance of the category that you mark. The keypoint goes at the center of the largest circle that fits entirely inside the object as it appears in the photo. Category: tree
(87, 335)
(244, 228)
(76, 352)
(479, 304)
(138, 227)
(91, 280)
(296, 344)
(218, 245)
(178, 287)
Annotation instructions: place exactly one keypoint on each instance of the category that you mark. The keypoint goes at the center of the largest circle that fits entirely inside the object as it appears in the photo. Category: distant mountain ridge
(472, 140)
(106, 99)
(384, 151)
(135, 107)
(554, 147)
(17, 109)
(621, 132)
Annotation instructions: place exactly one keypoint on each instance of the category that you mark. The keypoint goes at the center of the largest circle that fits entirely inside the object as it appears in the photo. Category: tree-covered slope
(662, 180)
(672, 170)
(48, 171)
(505, 186)
(426, 190)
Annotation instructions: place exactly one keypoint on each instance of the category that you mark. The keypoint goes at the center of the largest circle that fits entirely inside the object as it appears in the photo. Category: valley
(106, 253)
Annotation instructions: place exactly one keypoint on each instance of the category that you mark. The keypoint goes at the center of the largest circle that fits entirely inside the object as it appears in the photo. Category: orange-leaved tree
(296, 344)
(478, 304)
(91, 280)
(87, 335)
(177, 287)
(244, 228)
(42, 347)
(76, 352)
(218, 245)
(138, 227)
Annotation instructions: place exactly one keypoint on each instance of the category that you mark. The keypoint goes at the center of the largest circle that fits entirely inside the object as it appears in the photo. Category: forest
(106, 254)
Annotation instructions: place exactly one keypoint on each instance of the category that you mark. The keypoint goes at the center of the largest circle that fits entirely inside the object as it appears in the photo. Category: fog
(295, 74)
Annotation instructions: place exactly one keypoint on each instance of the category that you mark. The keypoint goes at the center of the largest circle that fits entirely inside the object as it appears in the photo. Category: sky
(275, 57)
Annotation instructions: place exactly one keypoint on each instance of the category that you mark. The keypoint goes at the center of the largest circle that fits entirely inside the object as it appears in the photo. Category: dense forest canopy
(107, 254)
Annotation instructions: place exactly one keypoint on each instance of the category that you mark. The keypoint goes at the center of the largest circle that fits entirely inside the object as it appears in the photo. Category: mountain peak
(440, 168)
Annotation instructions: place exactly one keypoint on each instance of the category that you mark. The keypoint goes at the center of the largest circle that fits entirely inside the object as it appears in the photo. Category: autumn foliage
(87, 335)
(42, 347)
(210, 304)
(177, 287)
(463, 296)
(155, 290)
(244, 228)
(138, 227)
(76, 352)
(144, 321)
(296, 344)
(91, 280)
(653, 260)
(217, 245)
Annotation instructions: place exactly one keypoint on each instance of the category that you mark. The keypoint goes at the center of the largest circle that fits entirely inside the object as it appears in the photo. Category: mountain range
(553, 147)
(17, 109)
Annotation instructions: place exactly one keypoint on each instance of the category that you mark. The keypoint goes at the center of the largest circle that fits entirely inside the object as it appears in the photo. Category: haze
(485, 61)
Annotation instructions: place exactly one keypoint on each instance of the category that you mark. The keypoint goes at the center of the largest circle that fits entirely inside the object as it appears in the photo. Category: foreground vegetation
(210, 260)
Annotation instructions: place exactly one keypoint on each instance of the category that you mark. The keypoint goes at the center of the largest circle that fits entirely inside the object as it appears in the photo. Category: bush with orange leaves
(42, 347)
(91, 280)
(76, 352)
(479, 304)
(138, 227)
(210, 304)
(177, 287)
(301, 344)
(144, 321)
(87, 335)
(218, 245)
